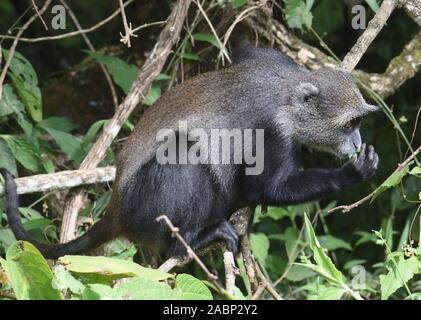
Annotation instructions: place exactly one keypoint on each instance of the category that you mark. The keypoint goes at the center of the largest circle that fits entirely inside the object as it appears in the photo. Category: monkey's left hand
(364, 167)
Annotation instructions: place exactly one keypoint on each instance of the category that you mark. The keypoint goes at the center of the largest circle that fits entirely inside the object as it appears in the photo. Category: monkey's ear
(304, 92)
(368, 108)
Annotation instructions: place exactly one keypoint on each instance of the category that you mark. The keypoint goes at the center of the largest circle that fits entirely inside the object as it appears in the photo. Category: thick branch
(374, 26)
(62, 180)
(383, 84)
(413, 9)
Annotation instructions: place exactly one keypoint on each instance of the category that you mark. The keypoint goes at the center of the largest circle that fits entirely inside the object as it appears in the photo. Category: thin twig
(211, 277)
(230, 270)
(221, 46)
(125, 39)
(73, 33)
(349, 207)
(15, 43)
(92, 48)
(39, 15)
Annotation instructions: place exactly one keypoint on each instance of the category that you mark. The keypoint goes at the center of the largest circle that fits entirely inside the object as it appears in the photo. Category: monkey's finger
(361, 157)
(370, 152)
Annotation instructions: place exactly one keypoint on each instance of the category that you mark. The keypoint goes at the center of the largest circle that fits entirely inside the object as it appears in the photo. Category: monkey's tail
(104, 230)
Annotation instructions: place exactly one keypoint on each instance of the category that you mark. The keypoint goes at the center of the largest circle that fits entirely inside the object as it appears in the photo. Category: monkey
(262, 90)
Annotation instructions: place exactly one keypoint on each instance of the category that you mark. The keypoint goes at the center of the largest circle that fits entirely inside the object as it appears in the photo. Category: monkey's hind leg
(220, 231)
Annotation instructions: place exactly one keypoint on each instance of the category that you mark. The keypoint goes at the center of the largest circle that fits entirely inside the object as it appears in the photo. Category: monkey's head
(326, 110)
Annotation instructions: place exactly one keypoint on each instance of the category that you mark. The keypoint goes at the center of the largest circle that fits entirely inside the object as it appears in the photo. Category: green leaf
(110, 267)
(123, 74)
(332, 243)
(189, 56)
(391, 181)
(298, 14)
(153, 95)
(30, 274)
(63, 280)
(145, 289)
(68, 143)
(260, 247)
(58, 123)
(238, 3)
(373, 5)
(6, 159)
(192, 288)
(207, 37)
(9, 102)
(25, 81)
(96, 291)
(397, 277)
(26, 154)
(319, 255)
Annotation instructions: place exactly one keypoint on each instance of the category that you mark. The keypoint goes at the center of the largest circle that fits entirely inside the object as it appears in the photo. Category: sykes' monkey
(263, 89)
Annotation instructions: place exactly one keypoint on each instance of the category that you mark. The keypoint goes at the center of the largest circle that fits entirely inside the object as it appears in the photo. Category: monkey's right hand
(364, 167)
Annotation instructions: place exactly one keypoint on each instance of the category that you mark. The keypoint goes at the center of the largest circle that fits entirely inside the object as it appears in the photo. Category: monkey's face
(327, 109)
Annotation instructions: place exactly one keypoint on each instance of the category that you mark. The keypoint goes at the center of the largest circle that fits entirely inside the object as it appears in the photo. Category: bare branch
(62, 180)
(92, 48)
(15, 43)
(73, 33)
(413, 9)
(374, 26)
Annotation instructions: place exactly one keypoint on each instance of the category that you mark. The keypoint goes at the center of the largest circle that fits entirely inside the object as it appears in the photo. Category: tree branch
(62, 180)
(374, 26)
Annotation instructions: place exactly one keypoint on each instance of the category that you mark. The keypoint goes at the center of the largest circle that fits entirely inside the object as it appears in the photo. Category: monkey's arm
(313, 184)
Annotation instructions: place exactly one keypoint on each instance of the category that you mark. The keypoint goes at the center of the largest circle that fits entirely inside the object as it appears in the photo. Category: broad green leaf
(299, 273)
(63, 280)
(96, 291)
(58, 123)
(298, 14)
(9, 103)
(7, 160)
(123, 74)
(26, 154)
(30, 274)
(391, 181)
(332, 243)
(260, 247)
(397, 277)
(192, 288)
(25, 81)
(110, 267)
(326, 293)
(153, 95)
(68, 143)
(319, 255)
(145, 289)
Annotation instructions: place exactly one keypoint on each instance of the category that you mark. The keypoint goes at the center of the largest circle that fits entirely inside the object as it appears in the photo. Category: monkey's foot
(222, 231)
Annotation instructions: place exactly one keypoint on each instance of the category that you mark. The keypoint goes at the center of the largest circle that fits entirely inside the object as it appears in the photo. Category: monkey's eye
(351, 124)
